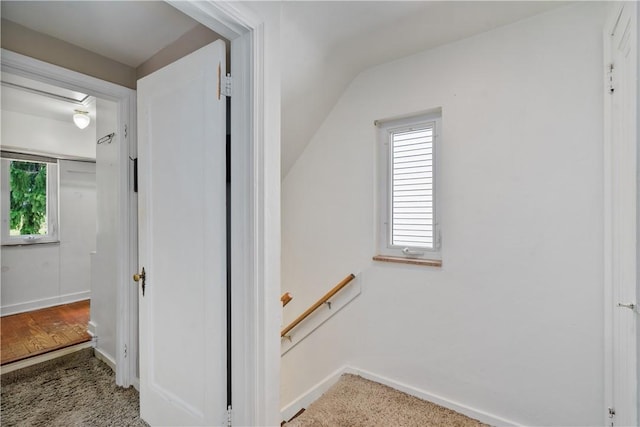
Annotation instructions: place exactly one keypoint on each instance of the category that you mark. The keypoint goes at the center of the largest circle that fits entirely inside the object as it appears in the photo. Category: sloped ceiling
(325, 44)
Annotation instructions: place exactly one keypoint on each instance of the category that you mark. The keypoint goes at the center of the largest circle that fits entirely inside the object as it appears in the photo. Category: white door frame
(620, 237)
(126, 101)
(255, 215)
(256, 359)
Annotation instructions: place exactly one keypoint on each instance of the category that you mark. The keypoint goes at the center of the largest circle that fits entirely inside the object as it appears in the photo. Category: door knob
(141, 276)
(630, 306)
(137, 277)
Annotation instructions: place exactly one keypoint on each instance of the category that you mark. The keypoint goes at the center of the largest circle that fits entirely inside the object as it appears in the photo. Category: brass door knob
(140, 276)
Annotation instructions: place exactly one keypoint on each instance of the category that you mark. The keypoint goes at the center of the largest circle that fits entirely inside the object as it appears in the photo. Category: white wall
(512, 323)
(77, 200)
(104, 275)
(36, 276)
(34, 134)
(30, 277)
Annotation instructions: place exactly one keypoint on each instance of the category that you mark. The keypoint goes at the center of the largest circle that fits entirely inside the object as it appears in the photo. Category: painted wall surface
(77, 197)
(104, 277)
(30, 277)
(191, 41)
(25, 41)
(512, 323)
(36, 276)
(40, 135)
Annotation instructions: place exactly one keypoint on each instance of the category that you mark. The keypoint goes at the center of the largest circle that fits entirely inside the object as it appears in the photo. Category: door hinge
(125, 351)
(229, 416)
(226, 85)
(610, 78)
(125, 131)
(612, 414)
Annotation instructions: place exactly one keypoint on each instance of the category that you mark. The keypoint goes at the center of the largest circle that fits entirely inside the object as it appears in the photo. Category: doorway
(255, 181)
(52, 215)
(116, 196)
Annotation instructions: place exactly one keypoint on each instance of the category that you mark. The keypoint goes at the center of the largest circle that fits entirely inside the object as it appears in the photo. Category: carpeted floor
(356, 402)
(80, 390)
(74, 390)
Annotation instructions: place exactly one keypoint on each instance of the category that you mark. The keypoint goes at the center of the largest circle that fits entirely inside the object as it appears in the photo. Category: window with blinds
(408, 217)
(412, 220)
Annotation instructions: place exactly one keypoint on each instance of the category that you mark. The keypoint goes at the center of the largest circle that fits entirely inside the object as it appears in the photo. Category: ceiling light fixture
(81, 119)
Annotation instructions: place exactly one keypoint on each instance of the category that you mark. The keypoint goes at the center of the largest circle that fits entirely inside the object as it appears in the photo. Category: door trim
(256, 190)
(620, 248)
(255, 222)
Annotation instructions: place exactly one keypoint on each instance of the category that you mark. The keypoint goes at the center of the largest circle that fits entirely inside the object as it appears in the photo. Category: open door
(182, 241)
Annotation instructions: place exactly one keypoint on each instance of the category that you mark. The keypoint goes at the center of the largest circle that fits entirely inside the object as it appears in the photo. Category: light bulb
(81, 119)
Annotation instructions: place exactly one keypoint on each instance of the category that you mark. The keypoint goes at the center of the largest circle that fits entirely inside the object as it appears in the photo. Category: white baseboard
(311, 395)
(314, 393)
(100, 354)
(106, 358)
(477, 414)
(22, 307)
(92, 328)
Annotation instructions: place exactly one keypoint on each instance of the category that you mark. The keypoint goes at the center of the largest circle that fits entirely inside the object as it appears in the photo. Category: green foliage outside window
(28, 182)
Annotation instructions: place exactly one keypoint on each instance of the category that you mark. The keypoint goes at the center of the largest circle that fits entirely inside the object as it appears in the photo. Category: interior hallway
(37, 332)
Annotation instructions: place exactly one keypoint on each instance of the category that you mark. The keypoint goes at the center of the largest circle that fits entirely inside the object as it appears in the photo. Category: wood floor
(29, 334)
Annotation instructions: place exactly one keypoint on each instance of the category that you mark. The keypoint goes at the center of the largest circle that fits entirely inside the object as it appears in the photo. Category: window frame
(386, 129)
(52, 201)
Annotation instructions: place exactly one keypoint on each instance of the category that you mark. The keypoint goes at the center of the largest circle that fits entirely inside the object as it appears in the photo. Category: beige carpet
(355, 402)
(74, 390)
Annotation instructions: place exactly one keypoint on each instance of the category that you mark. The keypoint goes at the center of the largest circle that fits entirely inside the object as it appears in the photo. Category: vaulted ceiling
(325, 44)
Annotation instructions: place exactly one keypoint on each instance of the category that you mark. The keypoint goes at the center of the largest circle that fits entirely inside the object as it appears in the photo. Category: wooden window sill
(413, 261)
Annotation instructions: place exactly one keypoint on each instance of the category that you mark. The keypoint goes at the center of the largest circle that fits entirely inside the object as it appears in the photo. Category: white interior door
(182, 246)
(620, 216)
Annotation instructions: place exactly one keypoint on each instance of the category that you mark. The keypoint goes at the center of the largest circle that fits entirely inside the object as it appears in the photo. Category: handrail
(285, 298)
(318, 303)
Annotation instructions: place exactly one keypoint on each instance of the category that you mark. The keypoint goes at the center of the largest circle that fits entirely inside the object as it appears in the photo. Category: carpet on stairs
(356, 402)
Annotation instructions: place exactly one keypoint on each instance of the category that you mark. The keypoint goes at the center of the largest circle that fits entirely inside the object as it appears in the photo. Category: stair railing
(285, 298)
(317, 304)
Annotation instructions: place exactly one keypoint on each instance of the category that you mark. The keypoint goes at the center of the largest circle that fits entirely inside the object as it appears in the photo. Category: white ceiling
(129, 32)
(35, 103)
(325, 44)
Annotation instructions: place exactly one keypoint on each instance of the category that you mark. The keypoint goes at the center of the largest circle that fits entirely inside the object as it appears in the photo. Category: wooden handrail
(285, 298)
(318, 303)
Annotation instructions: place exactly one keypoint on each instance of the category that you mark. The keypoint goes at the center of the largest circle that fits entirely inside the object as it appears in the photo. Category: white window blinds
(412, 219)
